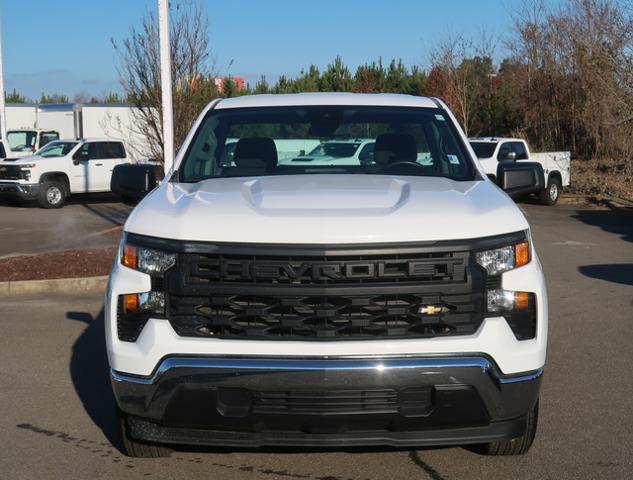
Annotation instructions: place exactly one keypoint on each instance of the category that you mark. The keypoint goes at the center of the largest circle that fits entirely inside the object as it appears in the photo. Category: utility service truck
(556, 165)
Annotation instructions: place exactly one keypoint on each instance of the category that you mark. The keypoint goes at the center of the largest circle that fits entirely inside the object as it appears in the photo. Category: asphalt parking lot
(57, 416)
(84, 222)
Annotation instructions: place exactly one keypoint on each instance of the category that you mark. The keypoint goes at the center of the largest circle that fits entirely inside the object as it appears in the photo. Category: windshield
(56, 149)
(484, 149)
(335, 149)
(22, 141)
(267, 141)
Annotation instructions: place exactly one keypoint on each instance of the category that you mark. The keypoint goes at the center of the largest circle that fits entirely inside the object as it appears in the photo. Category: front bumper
(251, 402)
(19, 190)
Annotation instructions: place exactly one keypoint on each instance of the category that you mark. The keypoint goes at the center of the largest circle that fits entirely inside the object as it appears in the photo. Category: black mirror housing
(133, 180)
(520, 178)
(80, 156)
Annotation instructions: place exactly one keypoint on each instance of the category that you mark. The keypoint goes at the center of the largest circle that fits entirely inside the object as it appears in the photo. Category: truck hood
(326, 209)
(13, 160)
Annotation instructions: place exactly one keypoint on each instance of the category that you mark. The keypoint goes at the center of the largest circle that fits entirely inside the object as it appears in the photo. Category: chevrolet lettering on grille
(232, 270)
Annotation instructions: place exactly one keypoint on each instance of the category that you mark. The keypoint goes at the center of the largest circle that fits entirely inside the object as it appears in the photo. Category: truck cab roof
(495, 139)
(336, 98)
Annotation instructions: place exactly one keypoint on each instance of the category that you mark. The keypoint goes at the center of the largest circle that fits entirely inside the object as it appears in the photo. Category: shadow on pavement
(89, 373)
(613, 222)
(115, 214)
(614, 272)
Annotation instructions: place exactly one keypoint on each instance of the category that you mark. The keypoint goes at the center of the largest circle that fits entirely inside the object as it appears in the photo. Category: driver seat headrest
(395, 147)
(255, 152)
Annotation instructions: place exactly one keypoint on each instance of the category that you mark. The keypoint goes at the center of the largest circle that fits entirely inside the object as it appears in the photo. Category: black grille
(13, 172)
(329, 317)
(315, 402)
(344, 296)
(408, 401)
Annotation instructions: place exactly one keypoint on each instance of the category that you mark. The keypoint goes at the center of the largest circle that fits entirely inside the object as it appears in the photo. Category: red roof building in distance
(240, 83)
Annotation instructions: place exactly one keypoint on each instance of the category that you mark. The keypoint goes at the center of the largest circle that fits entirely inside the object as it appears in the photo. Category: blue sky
(63, 46)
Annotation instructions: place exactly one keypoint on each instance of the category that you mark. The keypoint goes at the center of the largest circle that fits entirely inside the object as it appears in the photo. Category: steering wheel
(401, 163)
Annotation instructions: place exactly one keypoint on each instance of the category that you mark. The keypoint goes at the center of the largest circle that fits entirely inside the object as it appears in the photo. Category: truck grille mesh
(13, 172)
(334, 297)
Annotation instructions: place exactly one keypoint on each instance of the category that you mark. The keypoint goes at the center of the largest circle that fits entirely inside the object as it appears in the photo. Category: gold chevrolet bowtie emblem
(432, 310)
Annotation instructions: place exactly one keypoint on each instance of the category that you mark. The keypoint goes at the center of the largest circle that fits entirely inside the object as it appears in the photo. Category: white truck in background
(21, 115)
(358, 151)
(60, 169)
(556, 165)
(113, 121)
(25, 142)
(79, 120)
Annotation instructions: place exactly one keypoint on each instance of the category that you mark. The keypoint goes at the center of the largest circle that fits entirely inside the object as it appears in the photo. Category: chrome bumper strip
(334, 364)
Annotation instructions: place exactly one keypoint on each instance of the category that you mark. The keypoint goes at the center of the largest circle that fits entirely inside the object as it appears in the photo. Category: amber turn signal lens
(129, 258)
(521, 300)
(130, 302)
(521, 254)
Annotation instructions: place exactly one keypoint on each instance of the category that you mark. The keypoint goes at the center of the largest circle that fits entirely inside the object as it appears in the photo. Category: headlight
(146, 260)
(503, 259)
(135, 309)
(506, 300)
(518, 308)
(24, 166)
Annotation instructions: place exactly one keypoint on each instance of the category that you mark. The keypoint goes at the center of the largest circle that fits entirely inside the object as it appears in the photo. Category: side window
(81, 152)
(366, 155)
(519, 149)
(504, 150)
(93, 151)
(3, 153)
(120, 150)
(111, 150)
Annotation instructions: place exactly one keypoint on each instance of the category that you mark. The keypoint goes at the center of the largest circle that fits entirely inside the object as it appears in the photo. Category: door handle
(98, 164)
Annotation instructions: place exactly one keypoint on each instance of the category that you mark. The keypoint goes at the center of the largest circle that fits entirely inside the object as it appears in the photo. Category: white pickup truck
(60, 169)
(556, 165)
(357, 151)
(395, 302)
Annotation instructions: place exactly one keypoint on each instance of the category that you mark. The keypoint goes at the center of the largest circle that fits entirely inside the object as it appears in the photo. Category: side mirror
(520, 178)
(80, 156)
(509, 157)
(133, 180)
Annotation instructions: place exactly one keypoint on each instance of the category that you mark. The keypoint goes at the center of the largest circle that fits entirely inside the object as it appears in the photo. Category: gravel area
(66, 264)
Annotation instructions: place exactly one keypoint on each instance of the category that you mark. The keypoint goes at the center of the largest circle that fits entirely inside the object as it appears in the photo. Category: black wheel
(515, 446)
(51, 195)
(137, 448)
(550, 194)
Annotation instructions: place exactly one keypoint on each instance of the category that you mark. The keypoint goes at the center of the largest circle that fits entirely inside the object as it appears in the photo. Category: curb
(614, 203)
(56, 285)
(618, 205)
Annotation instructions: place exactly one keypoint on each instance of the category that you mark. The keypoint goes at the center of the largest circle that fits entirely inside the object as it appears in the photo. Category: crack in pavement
(428, 469)
(105, 450)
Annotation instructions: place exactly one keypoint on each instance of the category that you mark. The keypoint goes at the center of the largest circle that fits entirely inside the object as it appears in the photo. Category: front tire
(51, 195)
(515, 446)
(550, 194)
(136, 448)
